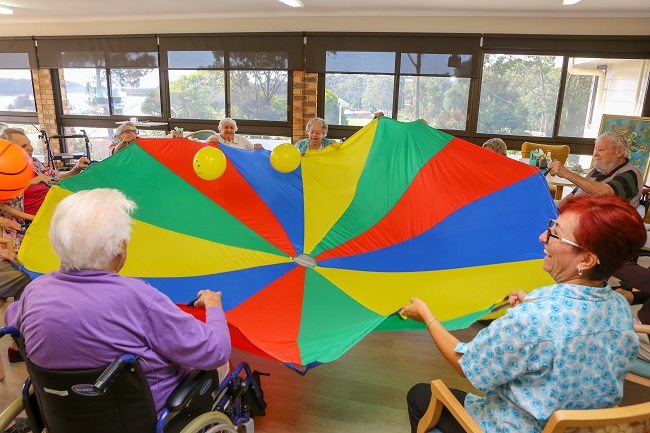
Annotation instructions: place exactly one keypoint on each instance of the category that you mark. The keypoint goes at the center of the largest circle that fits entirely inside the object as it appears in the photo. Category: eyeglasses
(550, 235)
(126, 131)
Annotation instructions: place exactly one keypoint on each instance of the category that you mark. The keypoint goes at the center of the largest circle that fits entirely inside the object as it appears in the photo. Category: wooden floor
(363, 391)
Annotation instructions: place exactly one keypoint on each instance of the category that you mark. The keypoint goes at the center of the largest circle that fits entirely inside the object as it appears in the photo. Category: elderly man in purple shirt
(86, 314)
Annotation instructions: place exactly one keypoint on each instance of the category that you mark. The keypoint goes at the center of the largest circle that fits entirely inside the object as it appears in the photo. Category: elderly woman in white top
(316, 132)
(227, 136)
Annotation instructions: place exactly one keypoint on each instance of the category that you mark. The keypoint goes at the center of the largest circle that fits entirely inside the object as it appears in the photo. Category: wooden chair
(641, 369)
(201, 135)
(635, 417)
(558, 151)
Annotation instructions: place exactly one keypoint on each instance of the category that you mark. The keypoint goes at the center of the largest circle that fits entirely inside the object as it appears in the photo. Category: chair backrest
(67, 402)
(635, 417)
(3, 126)
(630, 419)
(558, 151)
(203, 134)
(640, 369)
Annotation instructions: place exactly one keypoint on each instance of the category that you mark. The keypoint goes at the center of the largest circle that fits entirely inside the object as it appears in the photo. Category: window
(519, 95)
(17, 59)
(597, 86)
(16, 90)
(99, 140)
(407, 77)
(246, 77)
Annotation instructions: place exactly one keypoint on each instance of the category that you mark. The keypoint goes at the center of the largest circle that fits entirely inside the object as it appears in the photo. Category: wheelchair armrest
(186, 388)
(111, 372)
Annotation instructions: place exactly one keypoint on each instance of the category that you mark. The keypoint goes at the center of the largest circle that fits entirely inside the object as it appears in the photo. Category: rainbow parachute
(311, 261)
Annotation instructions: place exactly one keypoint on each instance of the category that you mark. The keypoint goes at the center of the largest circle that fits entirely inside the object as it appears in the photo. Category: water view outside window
(197, 94)
(16, 90)
(84, 91)
(519, 95)
(135, 92)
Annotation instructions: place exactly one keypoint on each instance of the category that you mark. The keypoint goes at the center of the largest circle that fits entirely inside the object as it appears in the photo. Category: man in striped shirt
(612, 172)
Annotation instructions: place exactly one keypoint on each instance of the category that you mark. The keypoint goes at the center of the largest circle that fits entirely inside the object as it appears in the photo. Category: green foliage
(151, 104)
(198, 95)
(22, 103)
(519, 95)
(259, 94)
(332, 109)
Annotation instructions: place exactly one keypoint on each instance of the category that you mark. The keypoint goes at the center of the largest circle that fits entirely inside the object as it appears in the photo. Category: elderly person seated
(612, 172)
(23, 207)
(124, 135)
(316, 133)
(12, 281)
(85, 314)
(227, 136)
(546, 352)
(496, 145)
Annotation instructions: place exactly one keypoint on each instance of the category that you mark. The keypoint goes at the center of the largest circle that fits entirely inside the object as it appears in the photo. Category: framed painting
(636, 130)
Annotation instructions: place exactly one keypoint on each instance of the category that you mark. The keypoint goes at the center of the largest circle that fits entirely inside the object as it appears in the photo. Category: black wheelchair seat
(68, 402)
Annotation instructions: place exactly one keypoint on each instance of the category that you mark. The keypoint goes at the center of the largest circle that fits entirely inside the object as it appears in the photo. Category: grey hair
(318, 120)
(227, 120)
(616, 140)
(7, 133)
(120, 129)
(496, 145)
(87, 227)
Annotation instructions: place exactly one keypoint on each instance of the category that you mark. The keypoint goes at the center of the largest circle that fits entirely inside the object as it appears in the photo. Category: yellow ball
(285, 158)
(209, 163)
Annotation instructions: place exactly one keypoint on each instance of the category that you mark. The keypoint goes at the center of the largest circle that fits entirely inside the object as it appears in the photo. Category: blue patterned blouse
(570, 347)
(303, 145)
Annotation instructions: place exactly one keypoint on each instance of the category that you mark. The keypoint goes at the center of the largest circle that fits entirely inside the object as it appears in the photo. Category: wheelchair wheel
(210, 422)
(11, 413)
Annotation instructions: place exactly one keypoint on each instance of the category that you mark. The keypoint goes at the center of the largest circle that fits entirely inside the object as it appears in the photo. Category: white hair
(120, 129)
(615, 140)
(227, 120)
(87, 228)
(321, 122)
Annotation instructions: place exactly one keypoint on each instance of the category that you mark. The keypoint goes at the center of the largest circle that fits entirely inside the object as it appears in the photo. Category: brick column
(305, 89)
(44, 98)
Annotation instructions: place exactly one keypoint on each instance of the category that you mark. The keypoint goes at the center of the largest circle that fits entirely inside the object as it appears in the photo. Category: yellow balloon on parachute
(285, 158)
(209, 163)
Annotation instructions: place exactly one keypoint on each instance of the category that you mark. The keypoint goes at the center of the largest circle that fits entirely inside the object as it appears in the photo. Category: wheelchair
(117, 398)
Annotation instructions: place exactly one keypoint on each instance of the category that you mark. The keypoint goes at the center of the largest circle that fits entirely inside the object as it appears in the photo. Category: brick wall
(305, 86)
(45, 103)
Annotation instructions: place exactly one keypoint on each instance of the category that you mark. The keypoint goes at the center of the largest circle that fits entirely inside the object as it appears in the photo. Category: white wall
(442, 24)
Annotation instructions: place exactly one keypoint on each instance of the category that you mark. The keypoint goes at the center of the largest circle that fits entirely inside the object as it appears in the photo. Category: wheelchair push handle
(111, 372)
(9, 330)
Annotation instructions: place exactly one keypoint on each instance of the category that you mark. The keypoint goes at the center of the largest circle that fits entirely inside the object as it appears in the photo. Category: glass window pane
(519, 95)
(16, 90)
(597, 86)
(449, 65)
(259, 95)
(354, 61)
(135, 91)
(441, 101)
(84, 91)
(99, 140)
(195, 59)
(197, 94)
(269, 142)
(259, 60)
(351, 99)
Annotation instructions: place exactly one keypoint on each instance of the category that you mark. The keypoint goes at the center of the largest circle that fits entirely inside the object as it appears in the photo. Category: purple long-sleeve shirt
(85, 319)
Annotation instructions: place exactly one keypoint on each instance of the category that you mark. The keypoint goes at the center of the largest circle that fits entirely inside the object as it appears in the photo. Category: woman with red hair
(564, 346)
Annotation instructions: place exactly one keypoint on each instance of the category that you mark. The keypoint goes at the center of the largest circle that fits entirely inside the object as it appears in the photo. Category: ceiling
(48, 11)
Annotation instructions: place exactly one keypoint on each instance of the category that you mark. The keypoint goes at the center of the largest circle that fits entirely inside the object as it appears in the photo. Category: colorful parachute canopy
(311, 261)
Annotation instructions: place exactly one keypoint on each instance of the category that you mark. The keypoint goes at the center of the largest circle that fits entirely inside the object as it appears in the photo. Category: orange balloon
(15, 170)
